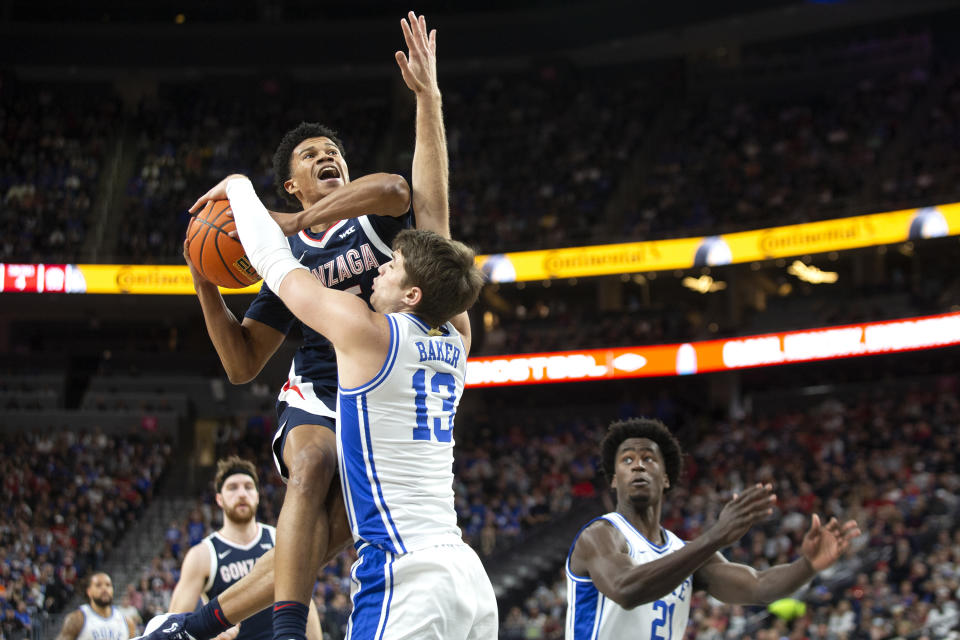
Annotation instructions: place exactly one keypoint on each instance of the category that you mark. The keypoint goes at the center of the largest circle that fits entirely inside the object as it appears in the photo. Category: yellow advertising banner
(657, 255)
(746, 246)
(144, 279)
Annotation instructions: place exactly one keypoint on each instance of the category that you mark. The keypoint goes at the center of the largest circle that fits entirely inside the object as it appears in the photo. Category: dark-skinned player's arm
(72, 626)
(601, 552)
(430, 172)
(740, 584)
(244, 346)
(381, 194)
(358, 333)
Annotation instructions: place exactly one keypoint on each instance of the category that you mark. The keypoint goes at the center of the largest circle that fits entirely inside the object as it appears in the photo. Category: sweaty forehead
(639, 444)
(318, 143)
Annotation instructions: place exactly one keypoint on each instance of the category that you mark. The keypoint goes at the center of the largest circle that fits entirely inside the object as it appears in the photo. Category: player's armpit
(461, 322)
(72, 626)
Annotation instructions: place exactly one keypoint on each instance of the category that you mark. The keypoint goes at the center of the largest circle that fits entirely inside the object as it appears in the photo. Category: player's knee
(313, 468)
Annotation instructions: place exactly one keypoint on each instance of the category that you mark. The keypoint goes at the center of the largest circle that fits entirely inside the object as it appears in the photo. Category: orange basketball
(220, 258)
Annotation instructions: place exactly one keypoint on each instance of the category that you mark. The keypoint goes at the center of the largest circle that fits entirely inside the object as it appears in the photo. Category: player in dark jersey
(310, 166)
(227, 555)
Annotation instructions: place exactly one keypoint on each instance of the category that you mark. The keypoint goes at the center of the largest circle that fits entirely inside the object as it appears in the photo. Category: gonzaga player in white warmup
(628, 577)
(401, 373)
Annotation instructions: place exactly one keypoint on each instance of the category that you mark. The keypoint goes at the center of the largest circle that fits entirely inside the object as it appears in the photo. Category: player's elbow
(240, 376)
(396, 195)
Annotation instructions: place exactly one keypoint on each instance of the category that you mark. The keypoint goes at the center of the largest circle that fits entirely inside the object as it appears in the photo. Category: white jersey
(593, 616)
(395, 440)
(96, 627)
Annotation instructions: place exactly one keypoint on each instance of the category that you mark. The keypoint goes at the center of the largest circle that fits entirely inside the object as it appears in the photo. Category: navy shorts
(289, 418)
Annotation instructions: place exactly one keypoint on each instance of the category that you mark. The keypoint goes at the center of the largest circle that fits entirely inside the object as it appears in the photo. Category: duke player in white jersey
(230, 553)
(401, 374)
(628, 577)
(98, 619)
(344, 245)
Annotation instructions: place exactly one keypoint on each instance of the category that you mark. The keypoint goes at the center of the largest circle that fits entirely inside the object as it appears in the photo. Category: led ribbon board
(847, 341)
(611, 259)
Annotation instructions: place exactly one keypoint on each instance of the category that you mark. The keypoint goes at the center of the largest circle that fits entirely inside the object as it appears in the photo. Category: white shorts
(440, 592)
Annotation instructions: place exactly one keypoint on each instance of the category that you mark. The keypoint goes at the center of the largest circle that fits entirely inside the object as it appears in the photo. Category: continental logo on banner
(747, 246)
(143, 279)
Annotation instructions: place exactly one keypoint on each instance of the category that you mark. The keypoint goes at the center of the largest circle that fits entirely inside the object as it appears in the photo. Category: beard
(103, 601)
(241, 514)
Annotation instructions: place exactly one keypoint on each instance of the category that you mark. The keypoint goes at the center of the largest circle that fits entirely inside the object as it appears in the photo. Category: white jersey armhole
(211, 574)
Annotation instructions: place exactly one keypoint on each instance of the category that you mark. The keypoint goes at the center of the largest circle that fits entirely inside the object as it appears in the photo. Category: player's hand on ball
(219, 192)
(824, 544)
(420, 68)
(198, 277)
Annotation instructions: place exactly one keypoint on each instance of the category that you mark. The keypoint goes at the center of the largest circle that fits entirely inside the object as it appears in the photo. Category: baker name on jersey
(236, 570)
(438, 350)
(349, 263)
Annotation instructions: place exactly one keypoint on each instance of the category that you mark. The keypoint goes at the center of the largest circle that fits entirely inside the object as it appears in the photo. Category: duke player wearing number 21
(343, 236)
(401, 373)
(98, 619)
(227, 555)
(628, 577)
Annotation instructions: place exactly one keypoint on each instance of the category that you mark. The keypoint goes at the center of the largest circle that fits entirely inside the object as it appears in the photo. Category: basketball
(220, 258)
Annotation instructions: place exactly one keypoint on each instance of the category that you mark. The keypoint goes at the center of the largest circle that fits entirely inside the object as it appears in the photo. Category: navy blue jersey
(347, 257)
(228, 563)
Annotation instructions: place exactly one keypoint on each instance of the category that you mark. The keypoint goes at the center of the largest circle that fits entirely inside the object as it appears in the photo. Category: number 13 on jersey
(441, 390)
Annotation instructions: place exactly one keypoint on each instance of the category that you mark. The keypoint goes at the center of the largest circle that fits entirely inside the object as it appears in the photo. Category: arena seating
(67, 498)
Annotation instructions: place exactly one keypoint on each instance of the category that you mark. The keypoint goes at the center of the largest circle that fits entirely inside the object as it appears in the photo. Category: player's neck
(103, 612)
(644, 518)
(240, 533)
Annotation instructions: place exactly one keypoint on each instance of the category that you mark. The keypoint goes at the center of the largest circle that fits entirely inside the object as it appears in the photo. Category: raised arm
(735, 583)
(602, 555)
(194, 574)
(431, 173)
(382, 194)
(72, 626)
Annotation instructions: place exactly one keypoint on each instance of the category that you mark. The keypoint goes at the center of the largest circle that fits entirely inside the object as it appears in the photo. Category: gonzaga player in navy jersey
(628, 577)
(98, 619)
(229, 554)
(309, 166)
(401, 374)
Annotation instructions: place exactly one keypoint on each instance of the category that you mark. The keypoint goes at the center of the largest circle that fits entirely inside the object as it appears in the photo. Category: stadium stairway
(517, 572)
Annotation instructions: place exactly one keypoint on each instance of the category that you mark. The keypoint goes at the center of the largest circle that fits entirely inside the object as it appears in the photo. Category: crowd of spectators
(189, 139)
(886, 459)
(53, 143)
(536, 156)
(66, 498)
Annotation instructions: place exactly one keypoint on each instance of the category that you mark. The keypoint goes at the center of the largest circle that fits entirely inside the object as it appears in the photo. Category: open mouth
(329, 172)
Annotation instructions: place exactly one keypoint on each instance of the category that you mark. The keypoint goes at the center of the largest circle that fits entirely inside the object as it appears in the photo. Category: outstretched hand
(824, 544)
(743, 511)
(419, 66)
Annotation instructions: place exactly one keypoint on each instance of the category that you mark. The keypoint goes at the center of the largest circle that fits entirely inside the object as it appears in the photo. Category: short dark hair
(445, 271)
(650, 429)
(226, 467)
(289, 142)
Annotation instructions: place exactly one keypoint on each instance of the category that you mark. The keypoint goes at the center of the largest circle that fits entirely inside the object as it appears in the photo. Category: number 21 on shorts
(443, 389)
